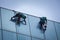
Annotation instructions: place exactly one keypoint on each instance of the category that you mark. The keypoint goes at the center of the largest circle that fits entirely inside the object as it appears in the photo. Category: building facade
(10, 31)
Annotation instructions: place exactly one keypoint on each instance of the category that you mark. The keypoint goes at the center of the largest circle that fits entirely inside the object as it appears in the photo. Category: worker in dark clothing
(43, 23)
(18, 17)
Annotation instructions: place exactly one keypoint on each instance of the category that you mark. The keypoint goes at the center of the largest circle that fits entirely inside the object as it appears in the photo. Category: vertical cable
(1, 22)
(55, 30)
(15, 27)
(44, 36)
(29, 28)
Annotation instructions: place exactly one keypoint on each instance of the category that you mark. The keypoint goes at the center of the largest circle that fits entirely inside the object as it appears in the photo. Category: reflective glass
(34, 26)
(35, 39)
(6, 23)
(23, 37)
(50, 32)
(0, 23)
(0, 18)
(57, 25)
(9, 35)
(24, 29)
(0, 35)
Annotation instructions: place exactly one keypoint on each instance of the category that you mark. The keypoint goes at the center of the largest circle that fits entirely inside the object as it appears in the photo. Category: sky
(39, 8)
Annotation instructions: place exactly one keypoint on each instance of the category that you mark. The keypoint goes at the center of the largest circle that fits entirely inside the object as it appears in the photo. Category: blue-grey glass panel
(0, 35)
(0, 18)
(36, 39)
(0, 23)
(24, 29)
(23, 37)
(6, 23)
(50, 31)
(9, 35)
(57, 25)
(35, 31)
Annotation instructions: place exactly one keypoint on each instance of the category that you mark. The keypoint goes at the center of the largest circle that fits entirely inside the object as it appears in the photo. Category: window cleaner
(17, 18)
(43, 23)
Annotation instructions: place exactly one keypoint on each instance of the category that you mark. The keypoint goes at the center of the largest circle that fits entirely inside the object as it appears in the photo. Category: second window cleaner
(43, 23)
(17, 18)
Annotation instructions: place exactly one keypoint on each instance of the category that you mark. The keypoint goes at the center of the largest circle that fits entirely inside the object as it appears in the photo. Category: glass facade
(57, 26)
(23, 37)
(10, 31)
(0, 35)
(6, 23)
(0, 18)
(24, 29)
(9, 35)
(36, 39)
(35, 31)
(0, 24)
(50, 32)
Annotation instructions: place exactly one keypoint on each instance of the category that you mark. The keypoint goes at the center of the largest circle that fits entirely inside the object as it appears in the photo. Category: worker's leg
(18, 20)
(25, 21)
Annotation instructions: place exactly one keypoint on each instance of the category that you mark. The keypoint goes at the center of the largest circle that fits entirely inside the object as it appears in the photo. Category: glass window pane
(50, 32)
(0, 23)
(9, 35)
(0, 35)
(6, 23)
(35, 39)
(57, 25)
(24, 29)
(0, 18)
(35, 31)
(23, 37)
